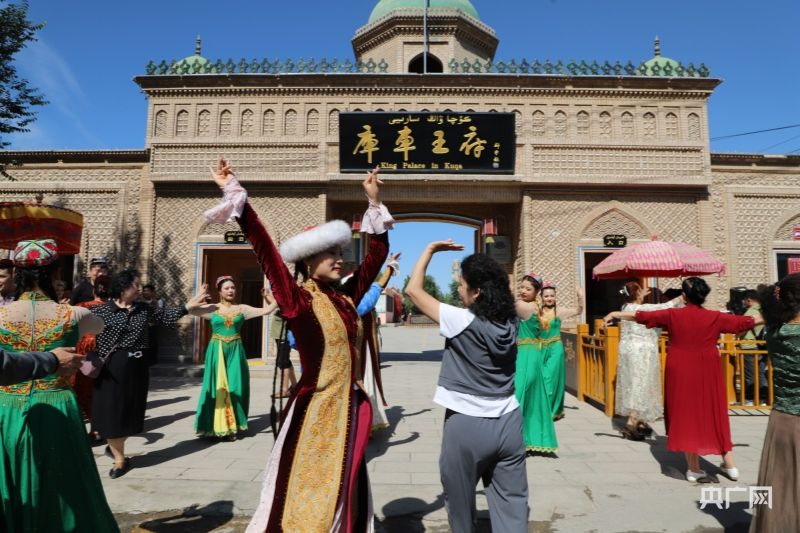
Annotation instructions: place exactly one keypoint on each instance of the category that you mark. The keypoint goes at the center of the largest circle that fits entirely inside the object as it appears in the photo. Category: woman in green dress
(48, 476)
(538, 430)
(550, 318)
(225, 397)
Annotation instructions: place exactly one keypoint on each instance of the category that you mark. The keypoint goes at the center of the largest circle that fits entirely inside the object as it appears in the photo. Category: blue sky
(89, 52)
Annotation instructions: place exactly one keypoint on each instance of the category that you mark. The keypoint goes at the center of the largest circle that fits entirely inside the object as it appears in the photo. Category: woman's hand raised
(223, 172)
(445, 246)
(371, 186)
(199, 299)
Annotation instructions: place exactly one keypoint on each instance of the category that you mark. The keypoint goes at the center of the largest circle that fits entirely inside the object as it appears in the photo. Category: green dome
(666, 66)
(384, 6)
(201, 61)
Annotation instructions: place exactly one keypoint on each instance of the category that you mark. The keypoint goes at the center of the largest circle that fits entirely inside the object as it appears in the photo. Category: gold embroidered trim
(226, 339)
(46, 384)
(539, 342)
(318, 466)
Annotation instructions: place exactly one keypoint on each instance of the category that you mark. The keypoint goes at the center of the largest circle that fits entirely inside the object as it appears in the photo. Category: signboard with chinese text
(235, 237)
(615, 241)
(793, 264)
(500, 249)
(441, 143)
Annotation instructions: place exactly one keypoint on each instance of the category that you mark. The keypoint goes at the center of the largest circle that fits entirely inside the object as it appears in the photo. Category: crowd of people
(502, 378)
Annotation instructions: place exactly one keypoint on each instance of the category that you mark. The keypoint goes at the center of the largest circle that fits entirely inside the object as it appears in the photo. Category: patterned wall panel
(189, 162)
(111, 216)
(588, 161)
(615, 222)
(557, 223)
(786, 231)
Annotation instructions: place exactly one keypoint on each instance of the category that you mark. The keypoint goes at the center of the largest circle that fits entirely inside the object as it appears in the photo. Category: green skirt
(538, 429)
(49, 476)
(225, 397)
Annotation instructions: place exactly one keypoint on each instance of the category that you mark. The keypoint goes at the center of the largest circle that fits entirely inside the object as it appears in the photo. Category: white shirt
(452, 321)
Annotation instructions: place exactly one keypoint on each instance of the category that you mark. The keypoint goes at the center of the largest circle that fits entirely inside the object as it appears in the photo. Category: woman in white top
(638, 393)
(482, 436)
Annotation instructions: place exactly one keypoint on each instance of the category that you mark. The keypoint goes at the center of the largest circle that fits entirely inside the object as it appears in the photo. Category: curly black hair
(780, 303)
(28, 278)
(696, 289)
(122, 282)
(495, 302)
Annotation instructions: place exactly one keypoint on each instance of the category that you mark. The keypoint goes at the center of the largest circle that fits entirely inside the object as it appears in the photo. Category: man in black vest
(85, 291)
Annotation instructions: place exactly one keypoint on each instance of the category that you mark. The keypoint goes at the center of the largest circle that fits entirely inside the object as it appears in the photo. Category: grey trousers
(488, 449)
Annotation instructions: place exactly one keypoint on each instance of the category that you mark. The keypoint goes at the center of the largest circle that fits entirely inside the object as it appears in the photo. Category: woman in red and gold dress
(316, 477)
(696, 403)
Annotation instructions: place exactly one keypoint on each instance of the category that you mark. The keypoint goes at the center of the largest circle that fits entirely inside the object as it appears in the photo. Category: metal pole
(425, 36)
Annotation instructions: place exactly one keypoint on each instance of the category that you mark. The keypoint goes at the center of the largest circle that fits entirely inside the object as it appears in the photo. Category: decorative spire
(658, 46)
(197, 47)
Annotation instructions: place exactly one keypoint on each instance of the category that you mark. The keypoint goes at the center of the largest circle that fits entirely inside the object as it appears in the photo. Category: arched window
(627, 124)
(694, 127)
(268, 125)
(605, 124)
(161, 124)
(538, 123)
(204, 123)
(225, 121)
(649, 126)
(416, 64)
(583, 123)
(517, 122)
(246, 128)
(561, 124)
(671, 123)
(333, 122)
(182, 124)
(312, 122)
(290, 122)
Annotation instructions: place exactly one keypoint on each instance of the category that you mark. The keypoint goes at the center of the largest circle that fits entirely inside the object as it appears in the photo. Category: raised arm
(376, 222)
(254, 312)
(415, 288)
(289, 296)
(570, 312)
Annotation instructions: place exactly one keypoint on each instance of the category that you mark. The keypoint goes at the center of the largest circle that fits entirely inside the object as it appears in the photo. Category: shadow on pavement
(735, 519)
(181, 449)
(160, 421)
(194, 519)
(154, 404)
(378, 444)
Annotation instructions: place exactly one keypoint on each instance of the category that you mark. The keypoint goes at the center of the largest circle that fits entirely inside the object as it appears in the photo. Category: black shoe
(119, 472)
(108, 453)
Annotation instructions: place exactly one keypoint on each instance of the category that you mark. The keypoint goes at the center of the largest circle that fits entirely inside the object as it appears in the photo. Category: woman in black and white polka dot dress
(120, 391)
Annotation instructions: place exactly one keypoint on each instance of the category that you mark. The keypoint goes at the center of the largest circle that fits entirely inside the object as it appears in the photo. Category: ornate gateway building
(601, 149)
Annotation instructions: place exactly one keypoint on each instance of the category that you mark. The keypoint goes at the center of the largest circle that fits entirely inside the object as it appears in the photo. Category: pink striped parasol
(660, 259)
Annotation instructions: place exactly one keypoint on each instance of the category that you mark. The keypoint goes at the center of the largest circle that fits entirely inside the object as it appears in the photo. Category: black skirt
(120, 394)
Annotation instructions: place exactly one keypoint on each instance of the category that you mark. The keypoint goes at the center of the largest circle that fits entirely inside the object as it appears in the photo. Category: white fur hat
(315, 240)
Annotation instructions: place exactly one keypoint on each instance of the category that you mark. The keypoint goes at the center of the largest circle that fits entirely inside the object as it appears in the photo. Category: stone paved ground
(598, 482)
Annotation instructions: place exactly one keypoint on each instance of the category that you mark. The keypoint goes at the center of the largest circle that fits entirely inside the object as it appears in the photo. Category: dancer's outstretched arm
(573, 311)
(415, 288)
(291, 299)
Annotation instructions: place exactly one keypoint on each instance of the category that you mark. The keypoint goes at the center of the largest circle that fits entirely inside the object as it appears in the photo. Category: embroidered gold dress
(48, 477)
(225, 397)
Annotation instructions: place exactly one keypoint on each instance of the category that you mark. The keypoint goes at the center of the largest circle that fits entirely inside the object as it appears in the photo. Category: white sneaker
(732, 473)
(694, 476)
(748, 402)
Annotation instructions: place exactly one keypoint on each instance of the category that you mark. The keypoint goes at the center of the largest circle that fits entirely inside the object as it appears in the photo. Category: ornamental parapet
(666, 69)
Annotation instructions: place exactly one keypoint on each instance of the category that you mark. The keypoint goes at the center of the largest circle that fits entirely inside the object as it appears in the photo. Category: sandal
(631, 434)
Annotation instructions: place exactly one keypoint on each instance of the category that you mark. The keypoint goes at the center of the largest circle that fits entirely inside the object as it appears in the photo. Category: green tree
(17, 99)
(452, 297)
(429, 285)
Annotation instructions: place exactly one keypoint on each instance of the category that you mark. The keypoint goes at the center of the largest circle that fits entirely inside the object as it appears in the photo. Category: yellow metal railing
(597, 367)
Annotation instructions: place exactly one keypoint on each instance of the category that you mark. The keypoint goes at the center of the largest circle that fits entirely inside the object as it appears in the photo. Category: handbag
(92, 365)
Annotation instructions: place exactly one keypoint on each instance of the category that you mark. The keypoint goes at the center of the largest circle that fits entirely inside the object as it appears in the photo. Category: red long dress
(316, 478)
(696, 402)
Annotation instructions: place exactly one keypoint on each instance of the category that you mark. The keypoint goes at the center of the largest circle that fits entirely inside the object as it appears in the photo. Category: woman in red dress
(316, 478)
(84, 385)
(696, 402)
